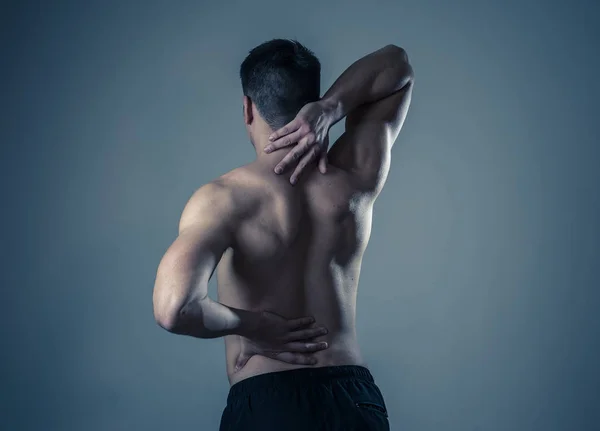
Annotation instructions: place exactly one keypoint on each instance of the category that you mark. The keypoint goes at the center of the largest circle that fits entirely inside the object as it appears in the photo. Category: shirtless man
(288, 232)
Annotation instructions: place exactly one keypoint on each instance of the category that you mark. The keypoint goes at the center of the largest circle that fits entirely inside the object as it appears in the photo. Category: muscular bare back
(287, 246)
(298, 251)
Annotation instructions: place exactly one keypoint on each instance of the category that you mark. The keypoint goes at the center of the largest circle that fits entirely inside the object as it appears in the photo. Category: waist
(342, 351)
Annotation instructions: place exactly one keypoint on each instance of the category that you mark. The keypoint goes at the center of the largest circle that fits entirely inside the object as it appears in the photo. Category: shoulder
(224, 200)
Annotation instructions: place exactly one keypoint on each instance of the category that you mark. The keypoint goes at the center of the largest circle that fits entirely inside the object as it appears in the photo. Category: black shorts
(307, 399)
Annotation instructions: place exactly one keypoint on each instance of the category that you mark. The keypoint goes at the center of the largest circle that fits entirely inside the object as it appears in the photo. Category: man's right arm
(374, 94)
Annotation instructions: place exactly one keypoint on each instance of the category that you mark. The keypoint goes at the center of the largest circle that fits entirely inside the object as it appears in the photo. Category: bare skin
(291, 249)
(299, 254)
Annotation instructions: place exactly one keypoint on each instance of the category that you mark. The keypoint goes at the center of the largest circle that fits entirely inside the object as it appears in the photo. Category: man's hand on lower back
(287, 340)
(309, 132)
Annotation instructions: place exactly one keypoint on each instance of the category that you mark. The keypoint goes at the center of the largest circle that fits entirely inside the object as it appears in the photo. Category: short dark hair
(281, 76)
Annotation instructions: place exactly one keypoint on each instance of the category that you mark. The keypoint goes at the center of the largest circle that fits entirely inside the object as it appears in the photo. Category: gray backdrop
(478, 298)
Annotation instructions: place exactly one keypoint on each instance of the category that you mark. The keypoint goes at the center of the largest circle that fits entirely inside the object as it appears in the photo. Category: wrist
(332, 109)
(248, 322)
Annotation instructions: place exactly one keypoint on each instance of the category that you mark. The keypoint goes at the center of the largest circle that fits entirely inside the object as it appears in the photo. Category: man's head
(278, 78)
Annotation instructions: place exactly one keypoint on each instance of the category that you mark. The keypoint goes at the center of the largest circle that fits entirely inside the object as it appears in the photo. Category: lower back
(343, 350)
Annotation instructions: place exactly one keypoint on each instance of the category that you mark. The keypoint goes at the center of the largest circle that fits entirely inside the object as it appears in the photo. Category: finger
(296, 358)
(306, 334)
(295, 154)
(299, 347)
(323, 162)
(312, 154)
(288, 128)
(295, 324)
(284, 141)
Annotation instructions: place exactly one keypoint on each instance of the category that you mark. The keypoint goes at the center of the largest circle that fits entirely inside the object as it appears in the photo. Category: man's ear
(247, 108)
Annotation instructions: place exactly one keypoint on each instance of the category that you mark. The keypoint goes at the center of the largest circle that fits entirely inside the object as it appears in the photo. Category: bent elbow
(399, 66)
(398, 52)
(166, 319)
(166, 310)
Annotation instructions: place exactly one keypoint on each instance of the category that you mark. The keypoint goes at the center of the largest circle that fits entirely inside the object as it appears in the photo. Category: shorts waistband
(299, 376)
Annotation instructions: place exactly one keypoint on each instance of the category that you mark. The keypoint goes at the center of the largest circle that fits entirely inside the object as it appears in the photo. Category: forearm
(206, 318)
(369, 79)
(182, 305)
